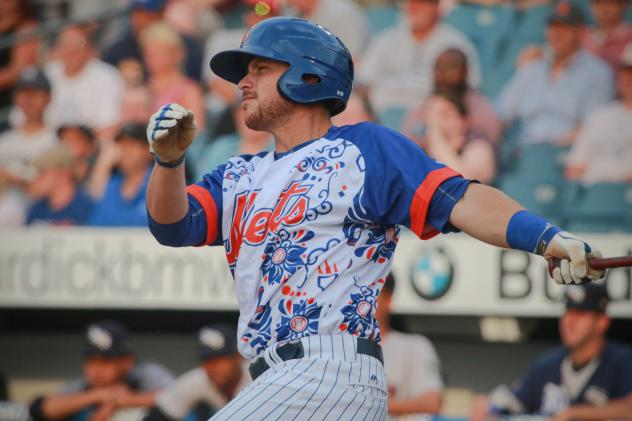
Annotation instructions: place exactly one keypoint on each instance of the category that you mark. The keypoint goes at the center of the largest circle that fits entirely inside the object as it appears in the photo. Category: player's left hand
(574, 254)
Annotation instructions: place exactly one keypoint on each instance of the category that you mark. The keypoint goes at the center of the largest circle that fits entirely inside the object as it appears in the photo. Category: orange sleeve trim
(205, 199)
(422, 198)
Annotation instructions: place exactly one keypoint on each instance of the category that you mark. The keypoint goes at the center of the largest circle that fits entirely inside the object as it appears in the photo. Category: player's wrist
(529, 232)
(165, 163)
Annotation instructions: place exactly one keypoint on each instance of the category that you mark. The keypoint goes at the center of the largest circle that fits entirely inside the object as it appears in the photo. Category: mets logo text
(253, 226)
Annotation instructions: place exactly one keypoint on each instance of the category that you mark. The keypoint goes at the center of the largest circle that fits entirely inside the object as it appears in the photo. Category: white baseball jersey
(310, 233)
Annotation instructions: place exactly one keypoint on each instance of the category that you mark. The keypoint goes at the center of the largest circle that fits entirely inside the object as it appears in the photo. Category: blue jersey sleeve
(403, 185)
(202, 223)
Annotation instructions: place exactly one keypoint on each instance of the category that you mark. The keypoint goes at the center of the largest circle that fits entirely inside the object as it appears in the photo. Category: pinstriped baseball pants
(332, 382)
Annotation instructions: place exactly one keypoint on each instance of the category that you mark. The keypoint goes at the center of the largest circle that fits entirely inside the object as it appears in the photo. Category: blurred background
(531, 96)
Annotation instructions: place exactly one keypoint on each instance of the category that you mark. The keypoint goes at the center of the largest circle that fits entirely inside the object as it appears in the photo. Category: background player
(199, 393)
(589, 377)
(310, 229)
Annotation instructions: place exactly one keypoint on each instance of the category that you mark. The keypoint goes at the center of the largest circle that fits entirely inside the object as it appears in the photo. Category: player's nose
(245, 83)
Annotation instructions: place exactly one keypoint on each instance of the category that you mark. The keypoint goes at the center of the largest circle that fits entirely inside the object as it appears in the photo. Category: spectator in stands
(126, 52)
(57, 198)
(603, 151)
(450, 141)
(450, 78)
(16, 18)
(80, 141)
(113, 379)
(550, 98)
(589, 377)
(21, 145)
(199, 393)
(244, 141)
(119, 180)
(85, 89)
(223, 94)
(137, 105)
(412, 366)
(609, 36)
(344, 18)
(163, 53)
(397, 66)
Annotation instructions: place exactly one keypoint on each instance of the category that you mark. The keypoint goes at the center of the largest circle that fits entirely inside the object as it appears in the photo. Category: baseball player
(589, 377)
(310, 229)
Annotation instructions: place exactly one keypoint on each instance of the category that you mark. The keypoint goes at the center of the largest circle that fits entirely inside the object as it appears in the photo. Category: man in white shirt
(413, 369)
(603, 150)
(344, 18)
(397, 66)
(86, 90)
(22, 145)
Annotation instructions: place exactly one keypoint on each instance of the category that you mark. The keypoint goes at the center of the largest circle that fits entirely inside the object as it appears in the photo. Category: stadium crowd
(534, 96)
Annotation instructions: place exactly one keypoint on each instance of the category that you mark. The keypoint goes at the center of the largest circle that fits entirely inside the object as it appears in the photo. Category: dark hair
(455, 98)
(389, 284)
(462, 88)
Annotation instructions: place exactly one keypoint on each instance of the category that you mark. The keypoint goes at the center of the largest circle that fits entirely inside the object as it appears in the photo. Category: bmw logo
(432, 275)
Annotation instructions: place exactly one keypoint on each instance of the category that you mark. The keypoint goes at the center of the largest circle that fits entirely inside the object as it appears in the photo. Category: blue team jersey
(310, 234)
(552, 384)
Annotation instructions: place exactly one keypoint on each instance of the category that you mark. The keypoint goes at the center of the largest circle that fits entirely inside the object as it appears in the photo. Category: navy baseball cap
(108, 339)
(567, 13)
(86, 131)
(217, 340)
(151, 5)
(588, 297)
(33, 78)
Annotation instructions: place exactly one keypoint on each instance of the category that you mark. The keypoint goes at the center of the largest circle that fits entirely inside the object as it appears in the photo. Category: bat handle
(597, 263)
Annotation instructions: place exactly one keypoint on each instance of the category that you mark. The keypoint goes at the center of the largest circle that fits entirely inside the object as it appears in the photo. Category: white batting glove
(170, 131)
(573, 252)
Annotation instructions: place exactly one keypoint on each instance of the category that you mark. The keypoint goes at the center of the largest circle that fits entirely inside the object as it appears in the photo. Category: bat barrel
(610, 262)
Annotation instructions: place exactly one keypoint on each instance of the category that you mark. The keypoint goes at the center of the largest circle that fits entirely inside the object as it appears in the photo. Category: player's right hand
(573, 252)
(170, 131)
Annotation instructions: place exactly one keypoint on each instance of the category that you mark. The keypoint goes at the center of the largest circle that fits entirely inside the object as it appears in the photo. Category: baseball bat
(598, 263)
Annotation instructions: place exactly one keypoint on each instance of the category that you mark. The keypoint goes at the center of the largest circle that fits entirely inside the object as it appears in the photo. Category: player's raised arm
(176, 219)
(170, 132)
(489, 215)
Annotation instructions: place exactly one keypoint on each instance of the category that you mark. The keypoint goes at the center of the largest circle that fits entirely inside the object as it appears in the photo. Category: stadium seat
(535, 179)
(603, 207)
(485, 27)
(527, 27)
(392, 117)
(381, 18)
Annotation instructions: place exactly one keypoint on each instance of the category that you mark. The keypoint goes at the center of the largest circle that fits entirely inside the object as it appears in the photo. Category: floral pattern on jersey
(284, 256)
(261, 323)
(374, 241)
(298, 318)
(359, 313)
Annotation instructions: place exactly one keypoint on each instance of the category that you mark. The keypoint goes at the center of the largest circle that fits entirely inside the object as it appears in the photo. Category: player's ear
(603, 323)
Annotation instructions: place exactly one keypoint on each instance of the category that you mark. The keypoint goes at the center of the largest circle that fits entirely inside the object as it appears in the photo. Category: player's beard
(270, 114)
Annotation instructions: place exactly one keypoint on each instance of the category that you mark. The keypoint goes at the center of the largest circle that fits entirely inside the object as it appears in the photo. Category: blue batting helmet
(308, 49)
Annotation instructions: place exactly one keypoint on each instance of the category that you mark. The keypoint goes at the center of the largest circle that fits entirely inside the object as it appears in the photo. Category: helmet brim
(232, 65)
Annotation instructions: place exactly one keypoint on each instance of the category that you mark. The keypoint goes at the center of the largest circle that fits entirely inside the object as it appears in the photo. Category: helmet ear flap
(308, 87)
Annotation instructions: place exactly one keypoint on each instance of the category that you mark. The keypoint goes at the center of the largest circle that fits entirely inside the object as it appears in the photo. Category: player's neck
(588, 351)
(306, 123)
